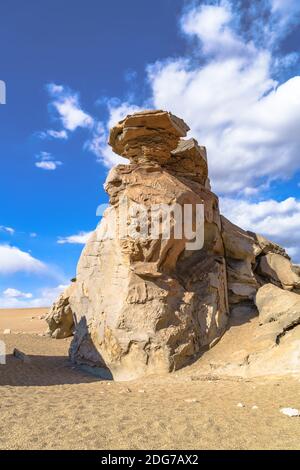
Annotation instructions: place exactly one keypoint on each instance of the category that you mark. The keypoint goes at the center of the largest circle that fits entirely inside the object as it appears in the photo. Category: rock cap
(147, 135)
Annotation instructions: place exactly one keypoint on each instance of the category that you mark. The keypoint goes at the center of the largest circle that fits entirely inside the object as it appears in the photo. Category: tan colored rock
(147, 135)
(252, 261)
(275, 304)
(259, 346)
(267, 246)
(278, 338)
(60, 318)
(189, 160)
(278, 269)
(239, 244)
(296, 270)
(241, 250)
(148, 305)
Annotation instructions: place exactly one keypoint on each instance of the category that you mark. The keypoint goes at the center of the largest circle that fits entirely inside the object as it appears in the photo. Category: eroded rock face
(145, 304)
(253, 261)
(241, 250)
(60, 318)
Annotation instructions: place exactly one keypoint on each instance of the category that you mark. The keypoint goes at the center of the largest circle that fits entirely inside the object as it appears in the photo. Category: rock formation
(144, 302)
(60, 318)
(253, 261)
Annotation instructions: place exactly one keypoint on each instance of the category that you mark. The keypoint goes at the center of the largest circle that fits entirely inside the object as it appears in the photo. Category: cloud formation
(229, 97)
(278, 221)
(236, 91)
(68, 109)
(80, 238)
(228, 92)
(8, 230)
(14, 260)
(52, 134)
(11, 293)
(97, 143)
(47, 162)
(13, 298)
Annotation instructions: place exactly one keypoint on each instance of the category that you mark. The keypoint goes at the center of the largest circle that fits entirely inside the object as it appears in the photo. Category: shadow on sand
(43, 371)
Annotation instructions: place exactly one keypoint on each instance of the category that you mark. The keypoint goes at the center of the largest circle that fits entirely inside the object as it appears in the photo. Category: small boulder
(276, 304)
(278, 270)
(60, 318)
(291, 412)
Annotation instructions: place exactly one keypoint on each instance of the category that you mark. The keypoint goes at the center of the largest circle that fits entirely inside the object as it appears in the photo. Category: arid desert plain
(46, 403)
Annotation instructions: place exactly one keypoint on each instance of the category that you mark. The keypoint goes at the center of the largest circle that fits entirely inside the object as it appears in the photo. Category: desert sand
(23, 320)
(47, 403)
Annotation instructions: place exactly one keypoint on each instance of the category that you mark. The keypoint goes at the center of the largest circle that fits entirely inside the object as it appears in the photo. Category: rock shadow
(42, 371)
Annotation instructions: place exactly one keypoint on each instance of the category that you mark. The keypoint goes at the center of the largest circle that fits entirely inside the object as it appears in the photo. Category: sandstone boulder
(241, 249)
(252, 261)
(60, 318)
(239, 244)
(278, 270)
(276, 304)
(296, 270)
(148, 304)
(189, 160)
(267, 246)
(147, 135)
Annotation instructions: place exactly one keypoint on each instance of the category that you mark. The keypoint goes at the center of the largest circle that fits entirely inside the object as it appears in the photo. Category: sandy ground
(48, 404)
(23, 320)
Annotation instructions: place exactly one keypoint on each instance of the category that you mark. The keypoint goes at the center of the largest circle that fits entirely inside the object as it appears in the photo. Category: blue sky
(72, 69)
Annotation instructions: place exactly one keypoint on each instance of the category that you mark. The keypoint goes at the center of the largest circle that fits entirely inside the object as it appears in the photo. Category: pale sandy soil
(48, 404)
(23, 320)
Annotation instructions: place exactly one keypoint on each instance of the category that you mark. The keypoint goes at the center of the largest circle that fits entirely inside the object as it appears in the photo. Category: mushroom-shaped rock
(147, 135)
(171, 298)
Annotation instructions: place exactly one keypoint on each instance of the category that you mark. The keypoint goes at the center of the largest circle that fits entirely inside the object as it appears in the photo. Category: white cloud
(47, 162)
(47, 296)
(98, 141)
(67, 105)
(97, 144)
(11, 293)
(80, 238)
(51, 165)
(211, 25)
(52, 134)
(13, 260)
(278, 221)
(226, 92)
(8, 230)
(44, 298)
(248, 121)
(287, 11)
